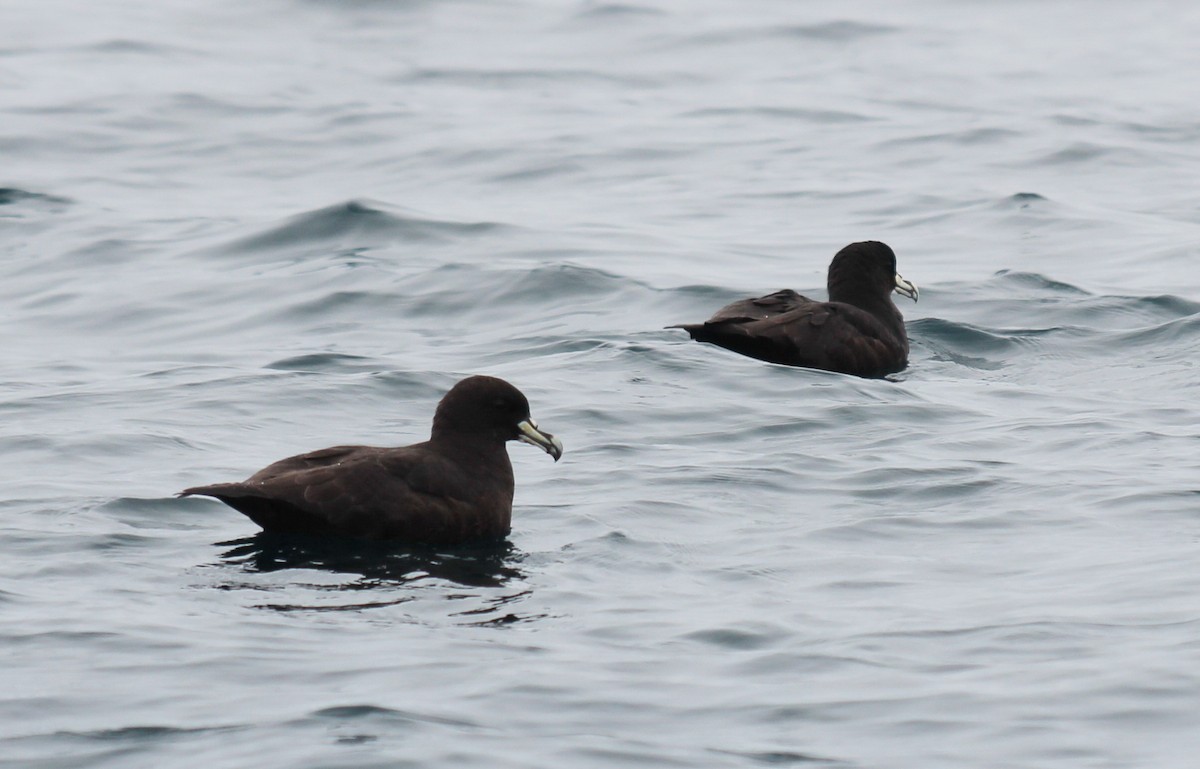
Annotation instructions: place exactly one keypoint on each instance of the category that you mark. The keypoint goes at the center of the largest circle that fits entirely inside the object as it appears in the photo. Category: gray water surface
(232, 232)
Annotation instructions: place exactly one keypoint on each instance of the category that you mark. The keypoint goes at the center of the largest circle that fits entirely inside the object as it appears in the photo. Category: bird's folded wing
(368, 493)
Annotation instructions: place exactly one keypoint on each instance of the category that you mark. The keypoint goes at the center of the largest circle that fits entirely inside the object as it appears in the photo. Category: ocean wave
(357, 223)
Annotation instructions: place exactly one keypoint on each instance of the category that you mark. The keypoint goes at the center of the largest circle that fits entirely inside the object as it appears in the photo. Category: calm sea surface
(230, 232)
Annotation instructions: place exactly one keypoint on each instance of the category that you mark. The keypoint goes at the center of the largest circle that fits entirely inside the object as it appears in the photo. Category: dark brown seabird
(858, 331)
(455, 487)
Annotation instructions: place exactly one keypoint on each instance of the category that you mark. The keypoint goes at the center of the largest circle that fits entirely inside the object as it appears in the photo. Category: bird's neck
(882, 307)
(870, 301)
(479, 448)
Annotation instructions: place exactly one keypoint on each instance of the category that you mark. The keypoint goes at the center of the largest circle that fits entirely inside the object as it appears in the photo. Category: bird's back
(411, 493)
(786, 327)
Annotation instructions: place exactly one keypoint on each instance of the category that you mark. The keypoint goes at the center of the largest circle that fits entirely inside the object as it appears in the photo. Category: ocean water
(230, 232)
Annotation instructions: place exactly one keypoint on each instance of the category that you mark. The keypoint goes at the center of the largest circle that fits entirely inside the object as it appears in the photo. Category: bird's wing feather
(367, 493)
(761, 308)
(825, 335)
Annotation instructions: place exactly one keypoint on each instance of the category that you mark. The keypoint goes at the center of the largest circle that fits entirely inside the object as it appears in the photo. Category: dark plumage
(455, 487)
(858, 331)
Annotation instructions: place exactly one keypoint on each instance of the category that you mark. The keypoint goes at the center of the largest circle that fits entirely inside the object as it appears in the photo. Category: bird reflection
(489, 564)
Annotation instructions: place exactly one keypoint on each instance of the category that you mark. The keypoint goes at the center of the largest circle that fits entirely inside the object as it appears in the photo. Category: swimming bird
(455, 487)
(858, 331)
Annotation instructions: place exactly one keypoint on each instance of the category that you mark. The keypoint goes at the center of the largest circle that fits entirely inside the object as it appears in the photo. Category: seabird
(455, 487)
(858, 331)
